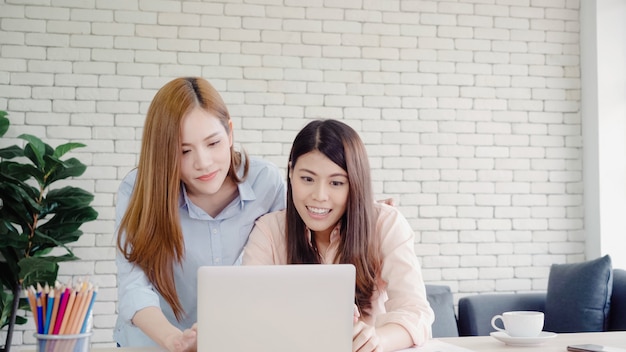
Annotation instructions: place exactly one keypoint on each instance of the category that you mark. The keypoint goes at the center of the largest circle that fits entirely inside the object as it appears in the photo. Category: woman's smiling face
(319, 191)
(206, 153)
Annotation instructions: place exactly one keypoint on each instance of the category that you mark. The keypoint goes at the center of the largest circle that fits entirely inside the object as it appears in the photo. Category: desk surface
(559, 343)
(488, 343)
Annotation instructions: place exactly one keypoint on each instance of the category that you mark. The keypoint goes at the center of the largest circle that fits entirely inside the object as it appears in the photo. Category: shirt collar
(246, 194)
(334, 235)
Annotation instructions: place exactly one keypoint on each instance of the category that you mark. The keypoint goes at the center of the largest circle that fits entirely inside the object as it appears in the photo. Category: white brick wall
(470, 111)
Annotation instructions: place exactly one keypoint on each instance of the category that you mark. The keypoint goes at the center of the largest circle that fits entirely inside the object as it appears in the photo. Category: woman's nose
(202, 159)
(320, 193)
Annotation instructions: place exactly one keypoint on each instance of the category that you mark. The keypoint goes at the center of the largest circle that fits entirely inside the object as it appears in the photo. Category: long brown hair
(150, 235)
(358, 245)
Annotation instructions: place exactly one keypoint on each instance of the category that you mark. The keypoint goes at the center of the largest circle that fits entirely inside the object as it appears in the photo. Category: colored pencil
(49, 307)
(68, 312)
(39, 316)
(83, 329)
(55, 310)
(79, 305)
(33, 303)
(57, 324)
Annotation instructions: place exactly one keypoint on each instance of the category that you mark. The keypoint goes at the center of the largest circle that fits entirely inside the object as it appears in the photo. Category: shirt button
(215, 231)
(217, 260)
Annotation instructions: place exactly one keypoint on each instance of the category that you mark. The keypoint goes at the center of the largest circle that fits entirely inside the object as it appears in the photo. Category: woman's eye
(186, 151)
(213, 143)
(337, 183)
(306, 179)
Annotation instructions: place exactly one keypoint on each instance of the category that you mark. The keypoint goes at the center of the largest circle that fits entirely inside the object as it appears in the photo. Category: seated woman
(331, 217)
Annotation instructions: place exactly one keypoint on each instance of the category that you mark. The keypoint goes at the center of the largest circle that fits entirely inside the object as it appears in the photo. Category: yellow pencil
(80, 306)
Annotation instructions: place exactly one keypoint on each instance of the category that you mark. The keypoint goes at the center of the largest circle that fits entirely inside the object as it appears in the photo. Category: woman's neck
(215, 203)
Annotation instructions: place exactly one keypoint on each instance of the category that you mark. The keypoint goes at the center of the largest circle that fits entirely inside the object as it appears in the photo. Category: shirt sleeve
(406, 292)
(265, 245)
(135, 291)
(280, 200)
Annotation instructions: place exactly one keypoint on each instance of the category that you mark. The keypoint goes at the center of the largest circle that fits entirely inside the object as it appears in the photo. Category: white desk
(488, 343)
(559, 343)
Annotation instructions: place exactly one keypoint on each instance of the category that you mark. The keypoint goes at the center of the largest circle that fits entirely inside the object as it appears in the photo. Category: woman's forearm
(155, 325)
(394, 337)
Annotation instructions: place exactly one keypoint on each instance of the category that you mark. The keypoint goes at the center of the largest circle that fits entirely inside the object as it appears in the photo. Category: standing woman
(332, 218)
(192, 201)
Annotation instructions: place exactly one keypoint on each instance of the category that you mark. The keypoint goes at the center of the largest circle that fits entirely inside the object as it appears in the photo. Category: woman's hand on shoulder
(365, 339)
(388, 201)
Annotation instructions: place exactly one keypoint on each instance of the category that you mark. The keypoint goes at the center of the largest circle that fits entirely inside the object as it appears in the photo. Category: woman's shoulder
(259, 165)
(128, 182)
(385, 211)
(275, 218)
(272, 225)
(389, 217)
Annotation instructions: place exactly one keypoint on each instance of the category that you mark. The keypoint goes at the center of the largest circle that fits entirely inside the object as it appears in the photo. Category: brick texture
(470, 112)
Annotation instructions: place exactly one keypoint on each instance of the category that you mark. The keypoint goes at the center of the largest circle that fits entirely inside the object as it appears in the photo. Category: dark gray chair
(476, 311)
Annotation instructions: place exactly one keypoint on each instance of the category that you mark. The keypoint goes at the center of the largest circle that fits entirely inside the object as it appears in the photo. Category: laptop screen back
(276, 308)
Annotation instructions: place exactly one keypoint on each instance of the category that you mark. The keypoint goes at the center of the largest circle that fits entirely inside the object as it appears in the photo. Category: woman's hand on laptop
(365, 339)
(186, 341)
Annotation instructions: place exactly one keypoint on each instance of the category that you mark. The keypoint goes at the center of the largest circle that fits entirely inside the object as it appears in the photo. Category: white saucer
(523, 341)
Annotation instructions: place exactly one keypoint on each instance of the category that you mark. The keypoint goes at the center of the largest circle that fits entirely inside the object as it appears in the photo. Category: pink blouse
(403, 295)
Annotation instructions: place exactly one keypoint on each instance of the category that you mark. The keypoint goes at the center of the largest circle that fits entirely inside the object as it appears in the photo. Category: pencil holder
(64, 343)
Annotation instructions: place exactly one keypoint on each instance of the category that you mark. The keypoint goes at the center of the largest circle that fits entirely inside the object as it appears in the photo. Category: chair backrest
(617, 315)
(476, 311)
(440, 299)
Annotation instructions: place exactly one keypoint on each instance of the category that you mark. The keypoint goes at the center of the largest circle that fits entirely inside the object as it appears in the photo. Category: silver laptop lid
(276, 308)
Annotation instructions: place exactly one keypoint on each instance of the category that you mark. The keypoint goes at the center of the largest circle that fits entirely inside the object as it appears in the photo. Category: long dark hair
(358, 244)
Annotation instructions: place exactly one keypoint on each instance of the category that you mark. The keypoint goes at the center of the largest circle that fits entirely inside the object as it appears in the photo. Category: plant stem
(16, 303)
(34, 225)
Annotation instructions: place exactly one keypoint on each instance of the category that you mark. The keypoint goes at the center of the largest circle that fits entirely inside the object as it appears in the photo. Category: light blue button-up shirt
(208, 241)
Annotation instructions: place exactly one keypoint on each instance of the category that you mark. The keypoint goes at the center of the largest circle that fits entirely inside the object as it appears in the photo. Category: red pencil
(66, 296)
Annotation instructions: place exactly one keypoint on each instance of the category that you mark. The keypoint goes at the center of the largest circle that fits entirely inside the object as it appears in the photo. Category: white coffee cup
(520, 323)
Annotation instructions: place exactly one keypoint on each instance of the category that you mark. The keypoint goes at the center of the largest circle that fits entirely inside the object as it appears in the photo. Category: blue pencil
(49, 311)
(83, 329)
(39, 316)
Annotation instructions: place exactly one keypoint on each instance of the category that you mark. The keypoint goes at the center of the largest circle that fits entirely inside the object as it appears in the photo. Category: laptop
(276, 308)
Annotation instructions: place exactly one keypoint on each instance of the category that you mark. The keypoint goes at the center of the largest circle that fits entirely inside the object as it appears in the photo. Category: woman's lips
(207, 177)
(318, 213)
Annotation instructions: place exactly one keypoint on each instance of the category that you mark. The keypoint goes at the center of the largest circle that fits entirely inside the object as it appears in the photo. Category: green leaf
(35, 149)
(7, 229)
(9, 274)
(69, 221)
(19, 199)
(41, 269)
(69, 168)
(4, 123)
(11, 152)
(21, 171)
(6, 304)
(44, 240)
(70, 197)
(60, 150)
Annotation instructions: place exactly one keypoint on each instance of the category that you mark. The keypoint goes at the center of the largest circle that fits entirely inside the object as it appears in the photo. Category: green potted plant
(35, 218)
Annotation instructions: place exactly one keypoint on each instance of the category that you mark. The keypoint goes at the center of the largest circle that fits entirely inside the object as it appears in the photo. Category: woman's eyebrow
(205, 139)
(315, 174)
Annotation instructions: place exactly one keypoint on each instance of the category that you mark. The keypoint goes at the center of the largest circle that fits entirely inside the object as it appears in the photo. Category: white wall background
(470, 110)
